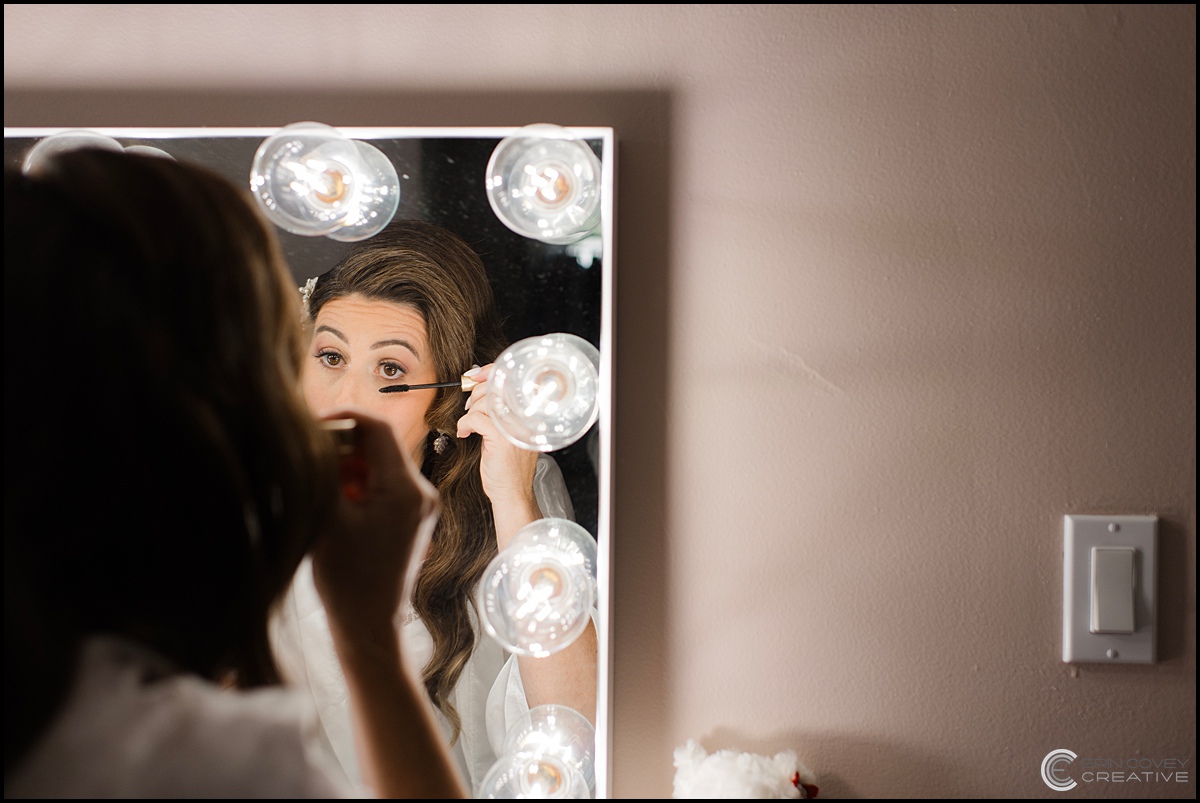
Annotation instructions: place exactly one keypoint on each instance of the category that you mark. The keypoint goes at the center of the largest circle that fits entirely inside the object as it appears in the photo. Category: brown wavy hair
(432, 270)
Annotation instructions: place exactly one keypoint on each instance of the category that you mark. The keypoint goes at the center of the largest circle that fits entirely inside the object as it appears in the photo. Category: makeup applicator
(466, 383)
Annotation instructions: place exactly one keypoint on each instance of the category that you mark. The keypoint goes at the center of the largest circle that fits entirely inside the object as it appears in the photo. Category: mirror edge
(604, 680)
(604, 528)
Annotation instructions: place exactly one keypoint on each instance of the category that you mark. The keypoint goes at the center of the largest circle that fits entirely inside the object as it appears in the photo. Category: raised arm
(362, 567)
(567, 677)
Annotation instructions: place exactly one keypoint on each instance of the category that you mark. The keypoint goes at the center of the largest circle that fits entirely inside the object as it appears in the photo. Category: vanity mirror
(561, 284)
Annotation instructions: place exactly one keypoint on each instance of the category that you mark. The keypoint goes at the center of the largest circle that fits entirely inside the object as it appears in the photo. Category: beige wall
(898, 287)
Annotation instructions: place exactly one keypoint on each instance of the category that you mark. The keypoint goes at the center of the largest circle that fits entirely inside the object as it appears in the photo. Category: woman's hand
(363, 563)
(369, 553)
(506, 470)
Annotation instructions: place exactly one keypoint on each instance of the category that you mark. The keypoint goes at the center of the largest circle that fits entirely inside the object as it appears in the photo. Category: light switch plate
(1080, 535)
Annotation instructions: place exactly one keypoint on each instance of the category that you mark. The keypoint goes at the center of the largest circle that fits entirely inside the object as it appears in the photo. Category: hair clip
(306, 292)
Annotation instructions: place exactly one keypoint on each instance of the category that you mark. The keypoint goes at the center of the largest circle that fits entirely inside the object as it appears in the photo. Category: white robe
(131, 727)
(489, 695)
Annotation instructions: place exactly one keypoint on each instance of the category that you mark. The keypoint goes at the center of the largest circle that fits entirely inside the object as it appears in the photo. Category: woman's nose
(351, 391)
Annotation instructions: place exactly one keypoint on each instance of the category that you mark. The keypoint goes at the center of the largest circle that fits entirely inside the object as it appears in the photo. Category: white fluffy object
(730, 774)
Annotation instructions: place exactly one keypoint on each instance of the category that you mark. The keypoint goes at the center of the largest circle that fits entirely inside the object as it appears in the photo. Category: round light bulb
(532, 775)
(557, 731)
(544, 183)
(378, 196)
(74, 139)
(536, 596)
(149, 150)
(311, 180)
(544, 391)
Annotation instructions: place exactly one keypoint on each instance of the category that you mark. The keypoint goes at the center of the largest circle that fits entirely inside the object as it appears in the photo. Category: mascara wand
(466, 383)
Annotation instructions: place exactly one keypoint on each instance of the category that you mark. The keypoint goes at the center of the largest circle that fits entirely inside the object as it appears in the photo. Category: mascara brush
(465, 383)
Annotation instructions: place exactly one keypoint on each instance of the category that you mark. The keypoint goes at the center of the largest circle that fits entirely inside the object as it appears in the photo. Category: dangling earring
(441, 443)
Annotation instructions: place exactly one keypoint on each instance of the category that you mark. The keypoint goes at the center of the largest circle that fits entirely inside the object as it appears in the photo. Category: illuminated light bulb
(149, 150)
(544, 183)
(311, 180)
(557, 731)
(544, 392)
(74, 139)
(77, 139)
(543, 777)
(378, 196)
(548, 184)
(531, 775)
(536, 596)
(548, 753)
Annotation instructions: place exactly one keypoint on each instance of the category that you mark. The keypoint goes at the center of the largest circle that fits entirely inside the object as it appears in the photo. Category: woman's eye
(330, 359)
(390, 370)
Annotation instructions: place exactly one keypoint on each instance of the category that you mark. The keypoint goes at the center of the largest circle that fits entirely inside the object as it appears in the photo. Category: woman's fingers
(380, 527)
(481, 376)
(477, 421)
(390, 478)
(506, 469)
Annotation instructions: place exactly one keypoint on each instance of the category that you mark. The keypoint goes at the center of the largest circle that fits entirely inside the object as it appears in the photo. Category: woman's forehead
(358, 318)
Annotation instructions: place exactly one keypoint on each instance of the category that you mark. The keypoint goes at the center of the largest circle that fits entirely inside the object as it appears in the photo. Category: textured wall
(898, 287)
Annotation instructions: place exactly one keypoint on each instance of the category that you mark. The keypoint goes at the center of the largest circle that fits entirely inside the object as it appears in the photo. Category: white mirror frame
(604, 699)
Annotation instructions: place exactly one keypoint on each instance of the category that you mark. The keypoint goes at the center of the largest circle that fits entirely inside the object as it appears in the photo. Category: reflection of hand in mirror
(413, 306)
(505, 469)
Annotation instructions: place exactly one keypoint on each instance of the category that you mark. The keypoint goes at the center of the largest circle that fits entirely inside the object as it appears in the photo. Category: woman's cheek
(313, 391)
(408, 423)
(413, 439)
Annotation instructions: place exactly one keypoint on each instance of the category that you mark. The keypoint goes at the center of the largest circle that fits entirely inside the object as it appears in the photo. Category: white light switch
(1113, 583)
(1110, 586)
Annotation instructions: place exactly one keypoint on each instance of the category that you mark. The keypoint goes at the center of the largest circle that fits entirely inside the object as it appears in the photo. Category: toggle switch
(1113, 584)
(1110, 589)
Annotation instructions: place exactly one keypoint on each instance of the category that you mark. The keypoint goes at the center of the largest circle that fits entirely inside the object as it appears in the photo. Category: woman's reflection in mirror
(413, 305)
(159, 501)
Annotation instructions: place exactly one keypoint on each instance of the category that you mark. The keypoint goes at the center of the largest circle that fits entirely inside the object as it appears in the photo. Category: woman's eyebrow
(380, 344)
(396, 342)
(334, 332)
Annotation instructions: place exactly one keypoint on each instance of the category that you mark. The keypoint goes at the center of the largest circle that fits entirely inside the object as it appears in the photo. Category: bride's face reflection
(360, 345)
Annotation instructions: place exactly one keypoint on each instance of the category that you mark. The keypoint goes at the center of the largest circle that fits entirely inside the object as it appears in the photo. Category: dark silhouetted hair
(163, 476)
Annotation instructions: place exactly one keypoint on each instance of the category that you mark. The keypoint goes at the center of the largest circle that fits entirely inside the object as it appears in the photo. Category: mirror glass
(540, 287)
